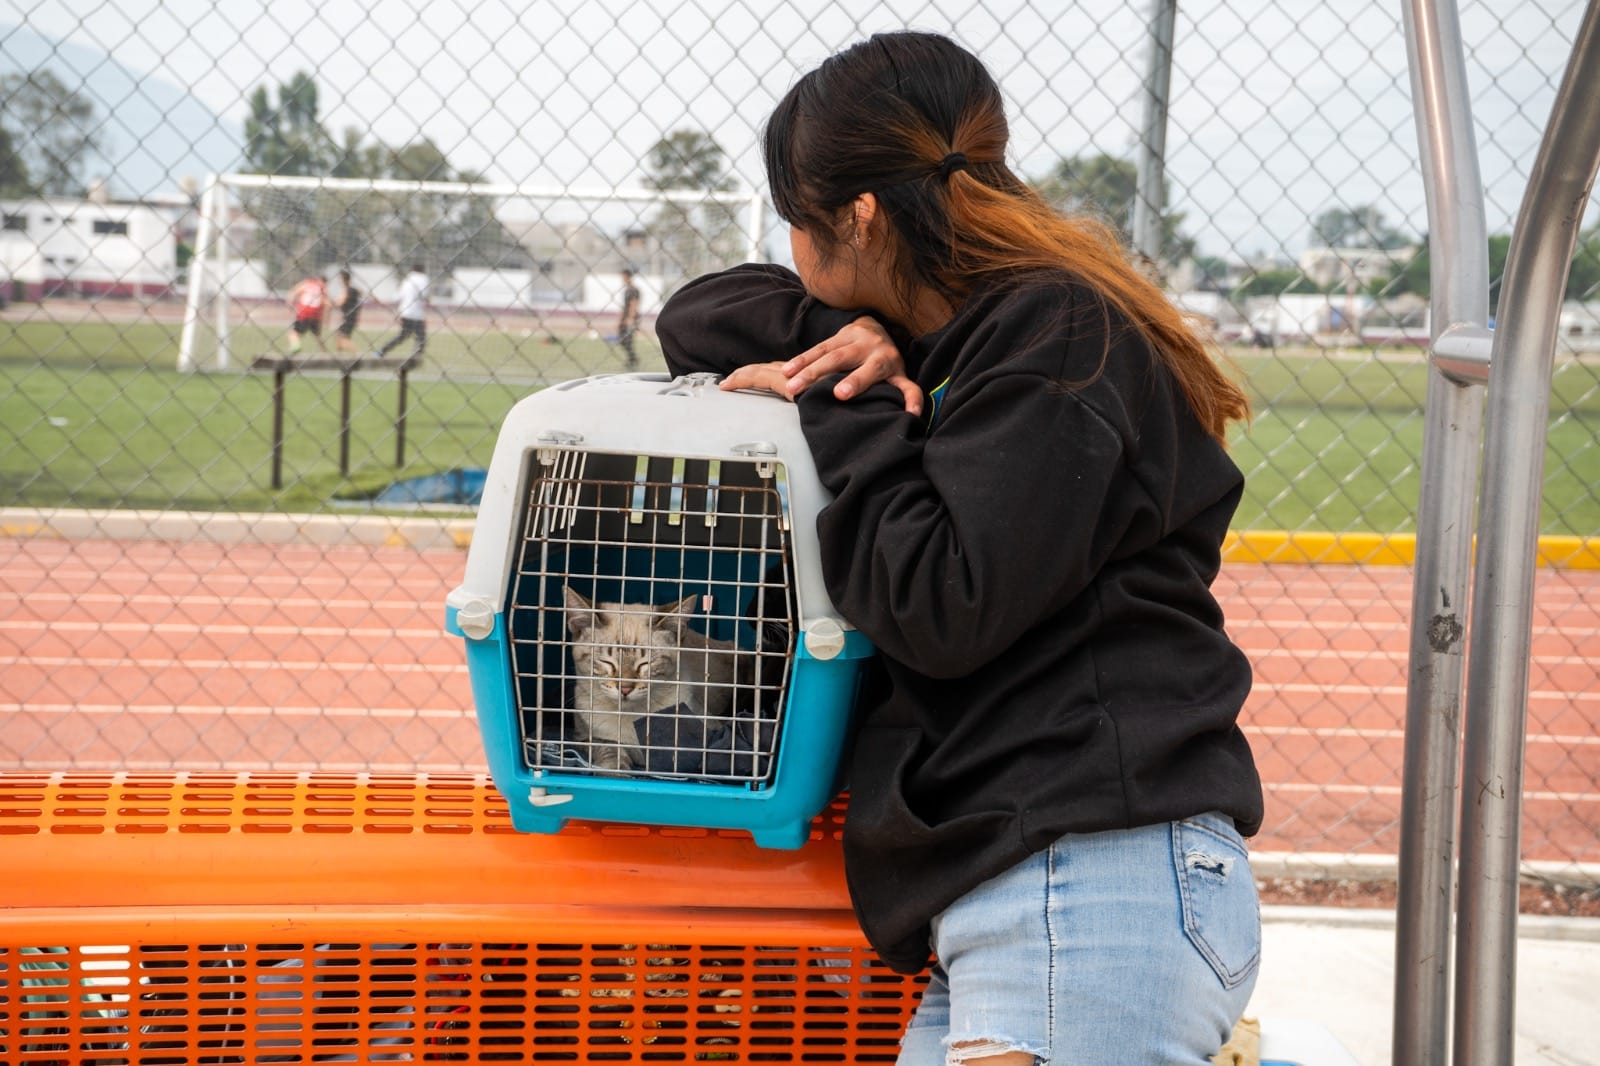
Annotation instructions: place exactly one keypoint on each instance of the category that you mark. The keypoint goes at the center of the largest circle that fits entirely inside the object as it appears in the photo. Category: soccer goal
(524, 282)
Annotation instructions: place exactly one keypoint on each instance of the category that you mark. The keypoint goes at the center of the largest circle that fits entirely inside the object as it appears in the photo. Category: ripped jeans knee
(994, 1052)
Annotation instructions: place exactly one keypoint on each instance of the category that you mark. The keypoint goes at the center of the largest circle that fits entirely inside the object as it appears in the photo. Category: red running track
(146, 655)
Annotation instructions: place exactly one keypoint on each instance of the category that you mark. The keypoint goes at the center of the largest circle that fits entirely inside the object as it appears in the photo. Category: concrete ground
(1325, 996)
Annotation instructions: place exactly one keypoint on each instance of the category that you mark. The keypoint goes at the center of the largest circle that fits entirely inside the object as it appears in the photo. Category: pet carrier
(647, 632)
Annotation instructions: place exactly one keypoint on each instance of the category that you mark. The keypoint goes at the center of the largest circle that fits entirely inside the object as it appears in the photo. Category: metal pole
(1459, 276)
(1149, 199)
(1527, 318)
(277, 425)
(344, 421)
(753, 229)
(400, 419)
(219, 210)
(205, 233)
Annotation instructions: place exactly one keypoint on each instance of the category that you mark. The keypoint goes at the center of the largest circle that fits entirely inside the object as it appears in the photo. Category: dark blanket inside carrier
(678, 741)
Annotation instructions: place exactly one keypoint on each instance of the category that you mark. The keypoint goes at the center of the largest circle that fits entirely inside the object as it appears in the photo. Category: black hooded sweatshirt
(1032, 558)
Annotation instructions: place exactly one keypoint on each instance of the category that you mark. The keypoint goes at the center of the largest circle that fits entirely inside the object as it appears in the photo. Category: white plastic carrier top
(688, 417)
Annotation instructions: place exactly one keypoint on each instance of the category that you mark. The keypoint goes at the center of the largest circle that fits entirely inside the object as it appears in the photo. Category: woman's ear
(865, 212)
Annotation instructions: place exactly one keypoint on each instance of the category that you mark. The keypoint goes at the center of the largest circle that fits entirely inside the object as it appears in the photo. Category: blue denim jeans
(1132, 946)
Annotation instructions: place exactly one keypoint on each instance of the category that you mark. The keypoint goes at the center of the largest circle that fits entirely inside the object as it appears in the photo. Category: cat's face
(624, 647)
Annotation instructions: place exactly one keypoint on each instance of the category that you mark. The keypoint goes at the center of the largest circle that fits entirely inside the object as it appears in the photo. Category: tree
(13, 169)
(353, 157)
(1499, 249)
(1583, 283)
(1583, 279)
(284, 135)
(1274, 283)
(691, 236)
(687, 159)
(52, 131)
(1106, 186)
(1414, 277)
(1211, 273)
(287, 137)
(1357, 227)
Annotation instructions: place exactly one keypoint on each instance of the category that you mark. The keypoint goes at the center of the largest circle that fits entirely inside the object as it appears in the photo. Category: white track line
(173, 628)
(234, 710)
(242, 666)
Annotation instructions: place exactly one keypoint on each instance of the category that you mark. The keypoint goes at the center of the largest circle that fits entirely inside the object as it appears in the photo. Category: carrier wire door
(652, 616)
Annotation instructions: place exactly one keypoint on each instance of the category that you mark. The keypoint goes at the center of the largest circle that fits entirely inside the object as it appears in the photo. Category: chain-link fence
(236, 478)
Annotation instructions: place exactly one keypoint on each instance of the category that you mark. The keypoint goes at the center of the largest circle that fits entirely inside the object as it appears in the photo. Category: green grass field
(93, 415)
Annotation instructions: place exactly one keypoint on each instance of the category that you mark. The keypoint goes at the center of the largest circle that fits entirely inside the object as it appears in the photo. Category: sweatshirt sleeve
(944, 549)
(753, 313)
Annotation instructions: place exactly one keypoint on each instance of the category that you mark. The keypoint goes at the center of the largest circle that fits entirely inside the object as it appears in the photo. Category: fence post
(1527, 317)
(1149, 199)
(1459, 277)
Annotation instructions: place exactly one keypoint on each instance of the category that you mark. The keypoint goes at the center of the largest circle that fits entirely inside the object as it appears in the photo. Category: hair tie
(951, 163)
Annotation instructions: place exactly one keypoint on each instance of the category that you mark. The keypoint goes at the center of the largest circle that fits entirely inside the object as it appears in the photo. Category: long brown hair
(918, 121)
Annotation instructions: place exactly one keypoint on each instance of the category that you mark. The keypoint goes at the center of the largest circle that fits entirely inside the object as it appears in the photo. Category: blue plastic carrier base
(777, 815)
(632, 521)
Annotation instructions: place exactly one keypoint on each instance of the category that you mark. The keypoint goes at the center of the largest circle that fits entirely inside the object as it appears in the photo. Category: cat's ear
(581, 615)
(676, 615)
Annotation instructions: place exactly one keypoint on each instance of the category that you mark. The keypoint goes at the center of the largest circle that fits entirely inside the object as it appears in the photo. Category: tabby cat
(633, 659)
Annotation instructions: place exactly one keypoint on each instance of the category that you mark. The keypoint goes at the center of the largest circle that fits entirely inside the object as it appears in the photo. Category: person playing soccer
(308, 301)
(628, 322)
(349, 312)
(413, 312)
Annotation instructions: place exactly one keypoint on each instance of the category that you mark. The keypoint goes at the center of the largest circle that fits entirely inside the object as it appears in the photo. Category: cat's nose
(626, 687)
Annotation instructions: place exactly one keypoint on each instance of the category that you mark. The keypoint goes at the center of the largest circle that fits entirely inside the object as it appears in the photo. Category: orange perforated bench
(302, 918)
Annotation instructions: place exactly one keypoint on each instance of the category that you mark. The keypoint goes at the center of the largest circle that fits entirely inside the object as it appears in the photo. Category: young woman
(1049, 787)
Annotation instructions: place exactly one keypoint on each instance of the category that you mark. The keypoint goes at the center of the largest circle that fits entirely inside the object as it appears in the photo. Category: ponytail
(917, 120)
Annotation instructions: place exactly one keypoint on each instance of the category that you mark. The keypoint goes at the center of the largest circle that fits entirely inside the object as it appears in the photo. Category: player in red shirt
(309, 302)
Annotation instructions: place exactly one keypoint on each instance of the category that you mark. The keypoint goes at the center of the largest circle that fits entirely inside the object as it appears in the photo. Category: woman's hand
(862, 348)
(766, 376)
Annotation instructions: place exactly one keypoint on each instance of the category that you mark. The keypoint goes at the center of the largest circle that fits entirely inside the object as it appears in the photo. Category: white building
(1578, 327)
(1338, 266)
(59, 246)
(1304, 316)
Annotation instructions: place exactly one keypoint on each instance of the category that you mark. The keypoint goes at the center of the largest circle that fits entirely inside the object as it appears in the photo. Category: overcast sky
(1282, 109)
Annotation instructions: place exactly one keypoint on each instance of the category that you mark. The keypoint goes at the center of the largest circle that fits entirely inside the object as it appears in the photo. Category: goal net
(525, 283)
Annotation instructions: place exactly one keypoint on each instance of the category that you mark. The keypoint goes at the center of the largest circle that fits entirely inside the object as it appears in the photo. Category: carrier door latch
(763, 451)
(539, 796)
(559, 437)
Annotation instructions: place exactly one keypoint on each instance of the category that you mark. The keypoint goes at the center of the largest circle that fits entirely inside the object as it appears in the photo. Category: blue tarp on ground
(452, 486)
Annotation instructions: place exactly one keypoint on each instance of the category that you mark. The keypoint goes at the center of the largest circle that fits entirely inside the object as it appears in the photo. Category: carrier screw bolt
(476, 620)
(825, 639)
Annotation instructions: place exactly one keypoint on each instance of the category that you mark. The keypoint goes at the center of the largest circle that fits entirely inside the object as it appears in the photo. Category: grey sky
(1282, 109)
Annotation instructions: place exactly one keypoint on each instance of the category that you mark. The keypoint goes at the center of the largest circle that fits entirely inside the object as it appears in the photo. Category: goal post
(520, 276)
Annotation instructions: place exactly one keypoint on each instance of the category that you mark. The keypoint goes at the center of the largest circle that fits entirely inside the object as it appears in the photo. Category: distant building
(56, 246)
(565, 256)
(1327, 267)
(1578, 328)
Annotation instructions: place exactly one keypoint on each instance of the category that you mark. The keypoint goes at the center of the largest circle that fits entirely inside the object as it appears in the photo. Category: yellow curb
(429, 533)
(1378, 549)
